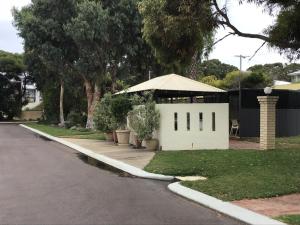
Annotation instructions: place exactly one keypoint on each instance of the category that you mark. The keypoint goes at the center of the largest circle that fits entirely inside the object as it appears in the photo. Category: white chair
(234, 125)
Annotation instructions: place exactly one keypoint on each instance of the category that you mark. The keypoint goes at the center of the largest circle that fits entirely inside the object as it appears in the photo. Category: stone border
(226, 208)
(109, 161)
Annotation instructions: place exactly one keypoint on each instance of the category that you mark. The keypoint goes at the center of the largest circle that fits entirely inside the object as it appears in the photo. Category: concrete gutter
(109, 161)
(226, 208)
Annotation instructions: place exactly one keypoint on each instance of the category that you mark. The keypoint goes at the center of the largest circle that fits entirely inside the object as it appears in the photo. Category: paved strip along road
(43, 182)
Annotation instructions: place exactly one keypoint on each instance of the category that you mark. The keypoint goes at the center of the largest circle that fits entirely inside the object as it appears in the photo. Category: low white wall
(193, 139)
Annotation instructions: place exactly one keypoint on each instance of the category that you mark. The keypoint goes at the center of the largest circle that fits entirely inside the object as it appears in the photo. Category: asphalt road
(42, 182)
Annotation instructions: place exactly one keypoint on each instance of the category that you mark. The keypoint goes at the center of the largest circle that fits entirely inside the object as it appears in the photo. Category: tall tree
(40, 24)
(89, 30)
(176, 29)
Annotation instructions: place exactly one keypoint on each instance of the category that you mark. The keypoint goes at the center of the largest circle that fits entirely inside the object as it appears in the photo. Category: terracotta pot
(109, 136)
(151, 144)
(123, 137)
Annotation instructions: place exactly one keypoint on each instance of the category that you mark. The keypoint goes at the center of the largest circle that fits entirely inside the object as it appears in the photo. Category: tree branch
(226, 22)
(257, 51)
(221, 39)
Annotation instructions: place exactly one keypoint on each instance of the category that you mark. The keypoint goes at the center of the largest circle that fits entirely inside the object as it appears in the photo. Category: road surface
(43, 182)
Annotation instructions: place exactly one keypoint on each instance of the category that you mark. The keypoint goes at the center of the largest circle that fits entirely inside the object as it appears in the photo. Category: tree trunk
(93, 95)
(61, 104)
(193, 67)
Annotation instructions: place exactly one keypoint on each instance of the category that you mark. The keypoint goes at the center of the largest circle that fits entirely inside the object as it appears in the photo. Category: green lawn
(288, 142)
(62, 132)
(290, 219)
(233, 174)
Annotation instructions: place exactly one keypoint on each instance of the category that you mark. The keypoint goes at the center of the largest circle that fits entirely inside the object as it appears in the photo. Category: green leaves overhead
(176, 30)
(88, 29)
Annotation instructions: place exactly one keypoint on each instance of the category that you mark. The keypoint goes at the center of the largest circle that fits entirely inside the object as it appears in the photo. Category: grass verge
(233, 174)
(67, 133)
(288, 142)
(290, 219)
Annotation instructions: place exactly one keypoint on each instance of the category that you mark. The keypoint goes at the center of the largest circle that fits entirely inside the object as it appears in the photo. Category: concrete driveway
(42, 182)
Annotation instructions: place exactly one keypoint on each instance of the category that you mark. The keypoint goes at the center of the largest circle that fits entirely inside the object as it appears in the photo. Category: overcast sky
(247, 17)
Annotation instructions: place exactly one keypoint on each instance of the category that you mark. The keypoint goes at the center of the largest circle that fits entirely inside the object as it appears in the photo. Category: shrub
(144, 119)
(103, 117)
(74, 119)
(120, 106)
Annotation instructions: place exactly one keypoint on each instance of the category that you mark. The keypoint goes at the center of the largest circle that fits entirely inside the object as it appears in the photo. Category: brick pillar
(267, 121)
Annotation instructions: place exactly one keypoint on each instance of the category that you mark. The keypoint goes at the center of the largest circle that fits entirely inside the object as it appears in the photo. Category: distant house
(295, 76)
(32, 94)
(295, 85)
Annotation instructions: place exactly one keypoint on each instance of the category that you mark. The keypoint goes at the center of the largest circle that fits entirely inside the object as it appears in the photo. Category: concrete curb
(226, 208)
(109, 161)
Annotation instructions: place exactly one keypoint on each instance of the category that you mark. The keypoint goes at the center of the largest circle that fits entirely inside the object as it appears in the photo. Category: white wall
(296, 79)
(194, 139)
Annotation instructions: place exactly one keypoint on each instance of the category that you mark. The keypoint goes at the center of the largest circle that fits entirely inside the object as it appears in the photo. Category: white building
(193, 115)
(295, 76)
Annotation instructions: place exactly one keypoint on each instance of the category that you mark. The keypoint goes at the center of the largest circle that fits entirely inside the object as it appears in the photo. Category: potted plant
(103, 118)
(133, 123)
(144, 120)
(120, 106)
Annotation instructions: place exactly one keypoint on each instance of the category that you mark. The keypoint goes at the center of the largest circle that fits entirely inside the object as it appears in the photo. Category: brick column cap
(267, 99)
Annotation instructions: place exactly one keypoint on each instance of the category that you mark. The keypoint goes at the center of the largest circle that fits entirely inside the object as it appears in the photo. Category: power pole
(241, 62)
(240, 80)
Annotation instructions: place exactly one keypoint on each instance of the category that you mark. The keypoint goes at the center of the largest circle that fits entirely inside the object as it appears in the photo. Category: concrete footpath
(134, 160)
(135, 157)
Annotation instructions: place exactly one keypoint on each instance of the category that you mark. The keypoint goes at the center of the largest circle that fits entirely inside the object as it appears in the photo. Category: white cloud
(7, 5)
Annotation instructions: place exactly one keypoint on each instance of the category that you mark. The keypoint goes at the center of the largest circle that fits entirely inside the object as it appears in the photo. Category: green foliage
(211, 80)
(11, 67)
(290, 219)
(256, 80)
(120, 106)
(89, 30)
(286, 28)
(232, 79)
(276, 71)
(73, 100)
(144, 119)
(103, 116)
(232, 174)
(176, 30)
(215, 67)
(75, 119)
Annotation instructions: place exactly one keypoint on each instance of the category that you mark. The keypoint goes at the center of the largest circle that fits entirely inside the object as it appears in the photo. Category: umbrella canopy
(173, 82)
